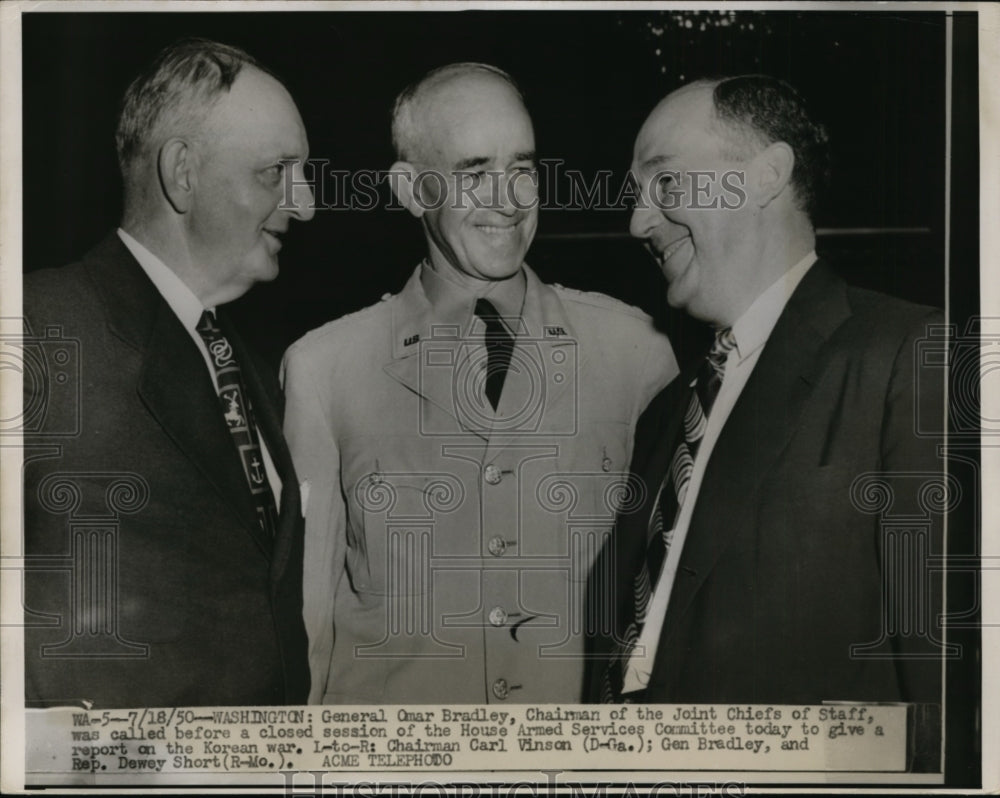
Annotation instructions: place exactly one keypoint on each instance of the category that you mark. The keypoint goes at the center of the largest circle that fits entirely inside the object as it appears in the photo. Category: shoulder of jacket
(889, 311)
(346, 328)
(55, 277)
(595, 299)
(59, 294)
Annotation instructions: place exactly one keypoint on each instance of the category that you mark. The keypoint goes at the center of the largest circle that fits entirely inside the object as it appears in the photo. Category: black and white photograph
(535, 398)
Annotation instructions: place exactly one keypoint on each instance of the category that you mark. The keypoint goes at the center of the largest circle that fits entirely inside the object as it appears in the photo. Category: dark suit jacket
(781, 572)
(148, 579)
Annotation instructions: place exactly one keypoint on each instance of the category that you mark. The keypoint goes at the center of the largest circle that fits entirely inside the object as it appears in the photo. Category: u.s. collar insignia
(411, 340)
(554, 332)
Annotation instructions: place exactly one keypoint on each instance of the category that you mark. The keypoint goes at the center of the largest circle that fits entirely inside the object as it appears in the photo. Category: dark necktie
(705, 389)
(238, 415)
(499, 346)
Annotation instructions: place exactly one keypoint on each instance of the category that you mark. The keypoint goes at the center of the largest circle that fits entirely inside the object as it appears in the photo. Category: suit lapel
(655, 435)
(758, 429)
(430, 359)
(428, 355)
(174, 382)
(430, 372)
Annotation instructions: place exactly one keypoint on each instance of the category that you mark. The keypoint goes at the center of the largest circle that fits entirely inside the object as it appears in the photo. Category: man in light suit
(464, 440)
(163, 529)
(754, 571)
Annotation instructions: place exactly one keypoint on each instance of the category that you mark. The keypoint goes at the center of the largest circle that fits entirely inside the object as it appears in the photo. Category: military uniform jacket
(447, 545)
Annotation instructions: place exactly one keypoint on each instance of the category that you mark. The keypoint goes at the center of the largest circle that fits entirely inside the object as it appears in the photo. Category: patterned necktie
(499, 346)
(671, 496)
(238, 414)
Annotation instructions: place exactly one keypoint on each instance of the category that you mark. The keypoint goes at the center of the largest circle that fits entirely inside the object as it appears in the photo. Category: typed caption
(227, 740)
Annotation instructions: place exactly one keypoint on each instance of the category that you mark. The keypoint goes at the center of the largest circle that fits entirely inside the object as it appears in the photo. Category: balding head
(174, 96)
(727, 174)
(419, 103)
(212, 149)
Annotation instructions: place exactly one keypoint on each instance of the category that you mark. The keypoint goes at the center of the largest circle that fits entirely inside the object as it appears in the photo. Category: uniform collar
(430, 304)
(453, 302)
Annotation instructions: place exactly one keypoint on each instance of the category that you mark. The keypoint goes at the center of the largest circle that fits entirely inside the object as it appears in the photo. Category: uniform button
(501, 689)
(606, 464)
(497, 616)
(492, 474)
(497, 546)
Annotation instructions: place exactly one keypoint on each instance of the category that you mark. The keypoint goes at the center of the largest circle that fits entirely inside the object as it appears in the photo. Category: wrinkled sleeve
(657, 369)
(317, 463)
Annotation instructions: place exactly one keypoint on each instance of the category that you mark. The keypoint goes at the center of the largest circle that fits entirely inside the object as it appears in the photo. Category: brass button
(501, 689)
(606, 464)
(492, 474)
(498, 617)
(497, 546)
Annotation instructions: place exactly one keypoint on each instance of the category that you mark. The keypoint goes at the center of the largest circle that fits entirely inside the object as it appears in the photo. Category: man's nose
(518, 192)
(301, 204)
(645, 219)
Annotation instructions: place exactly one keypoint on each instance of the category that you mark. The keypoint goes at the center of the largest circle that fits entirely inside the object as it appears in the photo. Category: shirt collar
(453, 302)
(181, 299)
(754, 326)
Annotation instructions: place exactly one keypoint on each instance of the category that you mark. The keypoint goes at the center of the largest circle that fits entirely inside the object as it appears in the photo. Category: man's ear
(175, 166)
(772, 172)
(405, 185)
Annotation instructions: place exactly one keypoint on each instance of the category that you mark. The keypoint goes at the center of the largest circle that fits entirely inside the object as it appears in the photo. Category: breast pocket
(394, 511)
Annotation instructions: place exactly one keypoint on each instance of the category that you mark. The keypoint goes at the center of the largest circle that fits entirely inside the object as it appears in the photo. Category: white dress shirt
(188, 309)
(751, 331)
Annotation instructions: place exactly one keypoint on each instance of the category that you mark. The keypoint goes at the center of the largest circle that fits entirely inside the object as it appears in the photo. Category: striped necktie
(238, 415)
(705, 388)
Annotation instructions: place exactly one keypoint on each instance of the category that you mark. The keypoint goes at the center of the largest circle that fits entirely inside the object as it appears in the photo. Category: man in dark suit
(756, 567)
(163, 523)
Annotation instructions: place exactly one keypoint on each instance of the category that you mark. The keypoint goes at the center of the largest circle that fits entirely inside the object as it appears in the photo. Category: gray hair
(180, 87)
(405, 130)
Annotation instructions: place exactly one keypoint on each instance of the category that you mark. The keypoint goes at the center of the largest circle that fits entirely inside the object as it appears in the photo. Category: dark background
(590, 77)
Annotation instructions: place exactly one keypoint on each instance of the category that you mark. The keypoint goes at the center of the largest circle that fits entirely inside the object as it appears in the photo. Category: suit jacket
(446, 555)
(786, 566)
(149, 580)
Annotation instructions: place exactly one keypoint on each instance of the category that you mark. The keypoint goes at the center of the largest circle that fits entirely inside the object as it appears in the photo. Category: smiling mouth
(275, 236)
(672, 248)
(498, 230)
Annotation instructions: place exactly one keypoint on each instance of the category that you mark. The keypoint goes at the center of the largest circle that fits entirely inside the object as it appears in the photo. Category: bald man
(754, 570)
(463, 442)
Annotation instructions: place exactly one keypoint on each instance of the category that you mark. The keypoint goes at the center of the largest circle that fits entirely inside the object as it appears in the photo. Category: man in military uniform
(463, 443)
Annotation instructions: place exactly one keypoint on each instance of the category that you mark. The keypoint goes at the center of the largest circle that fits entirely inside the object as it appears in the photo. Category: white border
(11, 654)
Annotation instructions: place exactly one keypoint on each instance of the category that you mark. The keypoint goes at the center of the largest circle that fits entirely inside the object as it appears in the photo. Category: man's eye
(666, 185)
(472, 179)
(274, 172)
